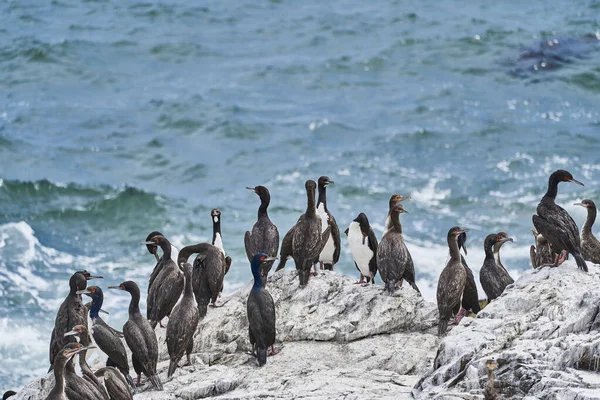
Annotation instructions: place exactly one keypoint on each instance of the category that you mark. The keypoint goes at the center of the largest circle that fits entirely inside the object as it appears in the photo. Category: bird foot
(362, 280)
(161, 325)
(273, 351)
(214, 305)
(461, 314)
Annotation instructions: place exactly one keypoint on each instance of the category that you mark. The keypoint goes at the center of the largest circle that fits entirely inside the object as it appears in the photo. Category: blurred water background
(122, 117)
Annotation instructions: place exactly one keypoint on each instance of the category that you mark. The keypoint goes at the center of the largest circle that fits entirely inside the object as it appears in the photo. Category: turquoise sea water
(122, 117)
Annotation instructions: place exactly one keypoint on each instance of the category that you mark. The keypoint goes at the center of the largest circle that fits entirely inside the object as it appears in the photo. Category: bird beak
(402, 198)
(72, 333)
(329, 182)
(149, 242)
(579, 204)
(270, 259)
(84, 291)
(577, 182)
(95, 277)
(251, 188)
(463, 231)
(116, 287)
(503, 240)
(105, 312)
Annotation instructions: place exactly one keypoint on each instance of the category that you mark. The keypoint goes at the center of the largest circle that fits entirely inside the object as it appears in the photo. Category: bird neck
(134, 304)
(311, 210)
(497, 257)
(454, 250)
(187, 251)
(491, 381)
(216, 228)
(552, 187)
(322, 197)
(187, 272)
(395, 222)
(589, 221)
(258, 283)
(82, 363)
(59, 375)
(489, 251)
(265, 200)
(165, 245)
(95, 308)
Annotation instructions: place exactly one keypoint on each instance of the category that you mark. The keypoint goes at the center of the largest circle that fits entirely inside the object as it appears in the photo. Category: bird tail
(391, 285)
(261, 356)
(129, 380)
(328, 267)
(580, 261)
(153, 324)
(414, 286)
(304, 275)
(172, 367)
(156, 382)
(281, 264)
(442, 327)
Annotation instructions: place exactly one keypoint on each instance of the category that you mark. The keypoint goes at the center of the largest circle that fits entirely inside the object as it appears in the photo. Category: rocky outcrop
(544, 334)
(336, 340)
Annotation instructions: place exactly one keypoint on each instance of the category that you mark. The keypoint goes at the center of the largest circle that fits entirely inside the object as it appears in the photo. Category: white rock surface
(338, 340)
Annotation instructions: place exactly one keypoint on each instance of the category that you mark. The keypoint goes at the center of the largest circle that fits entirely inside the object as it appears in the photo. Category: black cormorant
(493, 278)
(264, 237)
(153, 249)
(555, 224)
(115, 383)
(451, 284)
(140, 336)
(363, 246)
(590, 246)
(470, 299)
(182, 323)
(60, 361)
(261, 313)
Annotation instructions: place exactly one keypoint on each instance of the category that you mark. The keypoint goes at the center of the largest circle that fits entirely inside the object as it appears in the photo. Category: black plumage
(261, 312)
(217, 241)
(60, 361)
(394, 261)
(264, 237)
(308, 239)
(107, 338)
(451, 284)
(555, 224)
(493, 278)
(590, 246)
(207, 274)
(140, 336)
(470, 299)
(182, 323)
(115, 383)
(541, 253)
(165, 290)
(330, 254)
(285, 251)
(363, 246)
(497, 247)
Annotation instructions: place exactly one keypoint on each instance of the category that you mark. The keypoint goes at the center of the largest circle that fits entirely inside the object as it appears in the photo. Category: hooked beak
(329, 183)
(116, 287)
(84, 291)
(149, 242)
(251, 188)
(580, 204)
(270, 259)
(402, 198)
(463, 231)
(94, 277)
(71, 333)
(105, 312)
(576, 181)
(504, 240)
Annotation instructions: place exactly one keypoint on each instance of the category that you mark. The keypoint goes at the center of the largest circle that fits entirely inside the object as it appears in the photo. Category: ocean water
(122, 117)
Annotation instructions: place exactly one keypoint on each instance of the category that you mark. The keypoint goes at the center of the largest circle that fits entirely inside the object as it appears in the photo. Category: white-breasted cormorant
(451, 284)
(70, 313)
(115, 383)
(541, 253)
(261, 312)
(207, 275)
(394, 261)
(107, 338)
(363, 246)
(555, 224)
(165, 290)
(217, 241)
(60, 361)
(308, 239)
(139, 335)
(493, 277)
(182, 323)
(590, 246)
(264, 237)
(330, 254)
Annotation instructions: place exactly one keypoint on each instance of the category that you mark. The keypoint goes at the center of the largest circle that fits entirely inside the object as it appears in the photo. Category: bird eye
(263, 258)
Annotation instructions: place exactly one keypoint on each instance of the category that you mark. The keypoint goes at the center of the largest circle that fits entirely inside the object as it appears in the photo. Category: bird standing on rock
(264, 237)
(470, 299)
(217, 239)
(393, 258)
(541, 253)
(556, 225)
(261, 313)
(60, 361)
(330, 254)
(451, 284)
(363, 246)
(493, 277)
(140, 336)
(590, 246)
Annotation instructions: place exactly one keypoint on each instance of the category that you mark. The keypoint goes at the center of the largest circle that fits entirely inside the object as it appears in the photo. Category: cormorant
(217, 240)
(207, 275)
(153, 249)
(541, 253)
(8, 393)
(60, 361)
(140, 336)
(70, 313)
(556, 225)
(308, 239)
(92, 389)
(182, 323)
(115, 383)
(590, 246)
(261, 313)
(497, 246)
(107, 338)
(470, 299)
(394, 199)
(493, 277)
(393, 258)
(265, 236)
(330, 254)
(451, 284)
(363, 246)
(166, 289)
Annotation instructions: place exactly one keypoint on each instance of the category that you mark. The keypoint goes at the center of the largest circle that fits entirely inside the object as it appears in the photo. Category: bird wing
(335, 234)
(110, 343)
(286, 248)
(181, 328)
(373, 246)
(470, 300)
(136, 342)
(157, 268)
(451, 286)
(557, 226)
(261, 318)
(248, 245)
